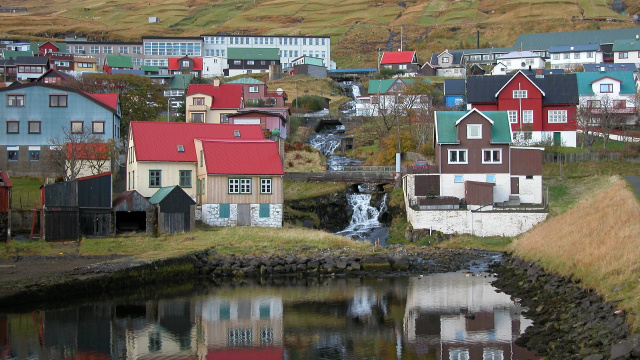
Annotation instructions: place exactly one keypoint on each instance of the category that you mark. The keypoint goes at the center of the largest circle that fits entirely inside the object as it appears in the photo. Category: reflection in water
(443, 316)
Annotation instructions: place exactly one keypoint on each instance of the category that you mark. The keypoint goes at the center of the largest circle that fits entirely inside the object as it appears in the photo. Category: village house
(449, 64)
(256, 92)
(572, 57)
(250, 60)
(117, 62)
(627, 51)
(608, 92)
(211, 103)
(401, 61)
(540, 107)
(480, 183)
(521, 60)
(390, 96)
(30, 68)
(186, 65)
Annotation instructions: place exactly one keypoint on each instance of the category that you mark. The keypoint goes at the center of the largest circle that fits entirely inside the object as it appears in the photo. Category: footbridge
(351, 174)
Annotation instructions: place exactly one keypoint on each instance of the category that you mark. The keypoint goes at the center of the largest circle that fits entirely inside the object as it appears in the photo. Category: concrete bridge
(355, 175)
(319, 122)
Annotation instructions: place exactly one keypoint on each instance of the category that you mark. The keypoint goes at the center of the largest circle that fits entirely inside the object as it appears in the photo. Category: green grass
(25, 192)
(304, 190)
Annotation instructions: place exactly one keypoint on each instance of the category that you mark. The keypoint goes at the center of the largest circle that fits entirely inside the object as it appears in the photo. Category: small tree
(586, 125)
(72, 152)
(609, 117)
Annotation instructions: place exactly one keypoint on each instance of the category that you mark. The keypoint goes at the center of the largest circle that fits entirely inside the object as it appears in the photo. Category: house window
(624, 55)
(557, 116)
(197, 117)
(474, 131)
(619, 104)
(13, 153)
(519, 94)
(566, 56)
(180, 148)
(264, 210)
(253, 89)
(137, 49)
(123, 49)
(94, 49)
(606, 88)
(224, 118)
(198, 101)
(77, 127)
(34, 127)
(491, 178)
(201, 158)
(155, 178)
(107, 49)
(492, 156)
(13, 127)
(589, 55)
(237, 62)
(34, 155)
(225, 211)
(186, 63)
(527, 116)
(239, 186)
(250, 62)
(458, 178)
(15, 100)
(593, 104)
(457, 156)
(185, 178)
(265, 186)
(576, 55)
(445, 60)
(556, 56)
(97, 127)
(513, 116)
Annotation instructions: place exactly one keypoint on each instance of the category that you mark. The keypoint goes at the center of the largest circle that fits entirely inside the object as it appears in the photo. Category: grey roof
(502, 50)
(457, 57)
(454, 87)
(32, 60)
(558, 88)
(518, 55)
(544, 41)
(574, 48)
(610, 67)
(128, 71)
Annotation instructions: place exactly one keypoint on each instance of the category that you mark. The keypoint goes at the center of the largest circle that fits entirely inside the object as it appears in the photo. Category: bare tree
(609, 115)
(74, 152)
(586, 124)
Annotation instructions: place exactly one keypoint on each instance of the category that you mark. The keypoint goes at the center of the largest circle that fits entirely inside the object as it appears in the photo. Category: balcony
(198, 108)
(624, 110)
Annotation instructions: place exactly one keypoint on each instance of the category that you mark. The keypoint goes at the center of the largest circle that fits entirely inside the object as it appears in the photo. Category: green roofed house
(250, 60)
(608, 93)
(176, 210)
(627, 51)
(477, 169)
(14, 54)
(117, 62)
(47, 47)
(390, 95)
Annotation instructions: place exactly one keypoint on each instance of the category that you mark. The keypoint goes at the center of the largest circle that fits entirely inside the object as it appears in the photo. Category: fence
(583, 157)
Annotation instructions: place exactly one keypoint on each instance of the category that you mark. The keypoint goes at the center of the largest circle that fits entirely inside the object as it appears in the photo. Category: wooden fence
(583, 157)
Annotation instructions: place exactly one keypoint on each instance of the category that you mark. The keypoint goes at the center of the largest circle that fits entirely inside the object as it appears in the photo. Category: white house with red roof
(211, 103)
(405, 61)
(243, 188)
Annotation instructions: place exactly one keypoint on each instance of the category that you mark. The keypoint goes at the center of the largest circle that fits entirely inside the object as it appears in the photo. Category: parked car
(420, 163)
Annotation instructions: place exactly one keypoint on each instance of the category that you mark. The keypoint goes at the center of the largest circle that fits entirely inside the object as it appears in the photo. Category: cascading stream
(364, 221)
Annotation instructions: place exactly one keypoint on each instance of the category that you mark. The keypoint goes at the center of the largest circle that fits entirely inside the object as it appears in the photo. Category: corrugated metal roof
(174, 63)
(558, 88)
(259, 157)
(626, 45)
(627, 83)
(454, 87)
(610, 67)
(32, 60)
(574, 48)
(12, 54)
(447, 131)
(399, 57)
(180, 81)
(119, 61)
(544, 41)
(225, 96)
(246, 80)
(109, 99)
(253, 54)
(518, 55)
(158, 141)
(161, 194)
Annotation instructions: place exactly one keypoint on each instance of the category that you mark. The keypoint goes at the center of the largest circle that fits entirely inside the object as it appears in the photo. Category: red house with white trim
(405, 61)
(540, 107)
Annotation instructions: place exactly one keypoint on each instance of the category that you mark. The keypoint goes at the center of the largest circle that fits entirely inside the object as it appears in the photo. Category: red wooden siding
(427, 185)
(526, 161)
(478, 193)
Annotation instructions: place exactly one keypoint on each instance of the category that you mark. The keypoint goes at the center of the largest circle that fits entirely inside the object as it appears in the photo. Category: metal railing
(357, 168)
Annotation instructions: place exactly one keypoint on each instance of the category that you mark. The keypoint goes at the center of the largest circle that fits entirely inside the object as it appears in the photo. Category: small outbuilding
(175, 208)
(133, 212)
(5, 206)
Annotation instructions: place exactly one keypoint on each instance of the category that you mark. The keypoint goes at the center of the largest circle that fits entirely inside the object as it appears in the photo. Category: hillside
(357, 27)
(596, 241)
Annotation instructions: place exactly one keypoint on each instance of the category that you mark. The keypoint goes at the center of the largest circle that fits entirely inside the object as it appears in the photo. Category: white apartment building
(521, 60)
(570, 57)
(290, 47)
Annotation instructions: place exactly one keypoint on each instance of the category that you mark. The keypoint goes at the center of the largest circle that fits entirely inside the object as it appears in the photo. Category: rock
(622, 350)
(594, 357)
(342, 263)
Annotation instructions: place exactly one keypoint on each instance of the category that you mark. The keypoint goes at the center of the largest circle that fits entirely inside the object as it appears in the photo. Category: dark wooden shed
(5, 206)
(175, 208)
(478, 193)
(133, 212)
(94, 203)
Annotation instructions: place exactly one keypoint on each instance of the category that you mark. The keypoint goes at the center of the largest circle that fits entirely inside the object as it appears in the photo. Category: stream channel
(457, 315)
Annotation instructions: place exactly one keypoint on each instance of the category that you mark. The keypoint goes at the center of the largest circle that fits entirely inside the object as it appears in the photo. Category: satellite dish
(279, 91)
(523, 64)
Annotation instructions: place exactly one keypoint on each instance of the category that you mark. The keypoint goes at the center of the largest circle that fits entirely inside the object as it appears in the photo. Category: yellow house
(212, 103)
(85, 63)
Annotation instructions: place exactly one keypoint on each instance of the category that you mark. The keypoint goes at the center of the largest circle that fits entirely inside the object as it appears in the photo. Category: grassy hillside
(357, 27)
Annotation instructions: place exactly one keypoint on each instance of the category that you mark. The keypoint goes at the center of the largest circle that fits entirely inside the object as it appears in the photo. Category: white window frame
(495, 156)
(472, 129)
(239, 186)
(457, 159)
(527, 116)
(266, 186)
(513, 116)
(520, 94)
(557, 116)
(253, 88)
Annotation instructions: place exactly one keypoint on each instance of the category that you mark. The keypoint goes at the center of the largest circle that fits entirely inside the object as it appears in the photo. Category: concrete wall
(210, 215)
(530, 190)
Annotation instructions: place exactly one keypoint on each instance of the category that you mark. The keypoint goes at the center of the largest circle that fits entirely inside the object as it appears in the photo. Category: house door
(515, 185)
(244, 215)
(557, 138)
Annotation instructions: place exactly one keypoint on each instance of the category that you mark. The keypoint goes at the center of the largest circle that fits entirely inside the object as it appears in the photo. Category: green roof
(180, 81)
(626, 45)
(253, 54)
(246, 80)
(12, 54)
(383, 86)
(35, 46)
(120, 61)
(447, 132)
(161, 194)
(627, 85)
(543, 41)
(150, 68)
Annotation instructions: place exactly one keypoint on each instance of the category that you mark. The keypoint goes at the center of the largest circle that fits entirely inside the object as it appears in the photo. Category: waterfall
(327, 142)
(355, 89)
(364, 220)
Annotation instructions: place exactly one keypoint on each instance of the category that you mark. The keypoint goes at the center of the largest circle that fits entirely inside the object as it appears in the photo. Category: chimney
(538, 71)
(571, 48)
(602, 68)
(216, 81)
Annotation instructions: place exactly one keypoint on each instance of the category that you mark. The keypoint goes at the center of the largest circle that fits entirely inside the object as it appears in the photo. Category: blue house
(33, 114)
(454, 93)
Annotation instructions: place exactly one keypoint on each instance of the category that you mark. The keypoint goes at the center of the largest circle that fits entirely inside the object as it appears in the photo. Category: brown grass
(597, 242)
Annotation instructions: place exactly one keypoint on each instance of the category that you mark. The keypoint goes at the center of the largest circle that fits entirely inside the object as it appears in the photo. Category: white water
(355, 89)
(364, 220)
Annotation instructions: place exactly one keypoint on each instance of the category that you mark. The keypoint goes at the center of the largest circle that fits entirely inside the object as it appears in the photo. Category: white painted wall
(501, 190)
(210, 215)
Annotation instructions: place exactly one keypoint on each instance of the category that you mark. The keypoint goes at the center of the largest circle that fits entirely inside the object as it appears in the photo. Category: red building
(540, 107)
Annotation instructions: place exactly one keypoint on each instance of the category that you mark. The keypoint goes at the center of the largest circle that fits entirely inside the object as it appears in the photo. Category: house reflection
(458, 316)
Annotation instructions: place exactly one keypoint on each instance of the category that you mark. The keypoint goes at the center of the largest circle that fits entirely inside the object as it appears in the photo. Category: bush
(310, 102)
(427, 149)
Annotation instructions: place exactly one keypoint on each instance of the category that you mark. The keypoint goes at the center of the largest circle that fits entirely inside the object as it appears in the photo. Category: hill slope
(357, 27)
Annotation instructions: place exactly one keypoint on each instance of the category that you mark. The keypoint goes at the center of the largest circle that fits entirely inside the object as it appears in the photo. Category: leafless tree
(609, 116)
(586, 124)
(74, 151)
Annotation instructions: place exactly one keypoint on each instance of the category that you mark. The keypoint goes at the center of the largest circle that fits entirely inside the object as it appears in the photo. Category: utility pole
(401, 30)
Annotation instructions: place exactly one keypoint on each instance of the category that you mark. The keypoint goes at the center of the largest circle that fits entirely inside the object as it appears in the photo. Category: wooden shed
(94, 203)
(5, 206)
(175, 209)
(133, 212)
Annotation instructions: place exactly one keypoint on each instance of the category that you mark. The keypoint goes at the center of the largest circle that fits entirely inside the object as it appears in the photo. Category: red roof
(225, 96)
(158, 141)
(88, 151)
(109, 99)
(258, 157)
(398, 57)
(174, 63)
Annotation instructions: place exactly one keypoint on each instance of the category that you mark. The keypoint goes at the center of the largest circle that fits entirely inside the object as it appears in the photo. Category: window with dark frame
(77, 127)
(97, 127)
(185, 178)
(13, 127)
(155, 178)
(57, 100)
(34, 127)
(15, 100)
(13, 154)
(34, 155)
